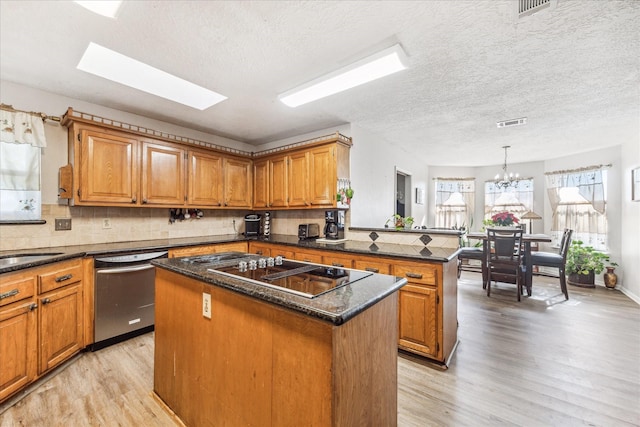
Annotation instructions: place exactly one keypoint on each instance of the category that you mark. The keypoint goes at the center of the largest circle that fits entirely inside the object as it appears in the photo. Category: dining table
(527, 239)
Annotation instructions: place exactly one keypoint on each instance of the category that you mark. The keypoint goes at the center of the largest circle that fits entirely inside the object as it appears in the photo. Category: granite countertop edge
(335, 307)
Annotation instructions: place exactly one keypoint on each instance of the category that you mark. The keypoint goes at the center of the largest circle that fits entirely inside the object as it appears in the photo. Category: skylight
(114, 66)
(106, 8)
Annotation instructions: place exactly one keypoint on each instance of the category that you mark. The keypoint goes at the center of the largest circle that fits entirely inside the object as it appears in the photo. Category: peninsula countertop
(337, 306)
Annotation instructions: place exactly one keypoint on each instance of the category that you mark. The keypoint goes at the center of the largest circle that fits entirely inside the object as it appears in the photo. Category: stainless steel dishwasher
(124, 298)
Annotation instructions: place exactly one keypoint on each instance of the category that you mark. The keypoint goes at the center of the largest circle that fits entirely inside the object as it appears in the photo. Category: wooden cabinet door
(60, 319)
(372, 265)
(338, 261)
(237, 183)
(163, 175)
(308, 257)
(261, 184)
(258, 248)
(278, 186)
(417, 319)
(18, 347)
(108, 170)
(204, 179)
(298, 182)
(322, 176)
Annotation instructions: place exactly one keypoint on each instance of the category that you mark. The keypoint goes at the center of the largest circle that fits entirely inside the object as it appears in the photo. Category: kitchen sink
(8, 260)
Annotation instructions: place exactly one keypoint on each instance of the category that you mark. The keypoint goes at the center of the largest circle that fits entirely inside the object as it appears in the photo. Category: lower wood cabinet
(41, 322)
(427, 314)
(208, 249)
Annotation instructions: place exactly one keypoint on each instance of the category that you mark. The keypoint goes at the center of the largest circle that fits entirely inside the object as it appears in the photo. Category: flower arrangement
(504, 219)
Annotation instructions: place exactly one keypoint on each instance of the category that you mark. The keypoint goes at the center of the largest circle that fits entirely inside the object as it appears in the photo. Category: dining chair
(504, 257)
(556, 260)
(472, 253)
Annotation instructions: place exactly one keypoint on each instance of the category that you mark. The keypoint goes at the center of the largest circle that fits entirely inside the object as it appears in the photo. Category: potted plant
(504, 219)
(583, 263)
(408, 222)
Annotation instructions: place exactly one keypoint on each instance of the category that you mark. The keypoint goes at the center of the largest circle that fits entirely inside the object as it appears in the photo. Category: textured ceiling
(572, 69)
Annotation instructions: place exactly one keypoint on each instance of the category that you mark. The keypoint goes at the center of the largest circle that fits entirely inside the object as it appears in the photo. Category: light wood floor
(541, 362)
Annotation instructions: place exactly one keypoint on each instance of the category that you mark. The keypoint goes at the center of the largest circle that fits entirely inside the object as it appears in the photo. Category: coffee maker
(334, 224)
(252, 225)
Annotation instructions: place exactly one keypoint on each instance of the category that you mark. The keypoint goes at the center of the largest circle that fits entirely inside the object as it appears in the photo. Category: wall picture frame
(635, 184)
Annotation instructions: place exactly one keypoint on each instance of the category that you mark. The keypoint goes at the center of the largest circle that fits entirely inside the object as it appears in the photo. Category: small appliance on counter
(308, 231)
(334, 224)
(252, 225)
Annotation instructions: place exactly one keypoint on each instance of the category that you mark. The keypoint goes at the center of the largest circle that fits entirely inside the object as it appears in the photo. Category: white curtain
(21, 139)
(587, 217)
(517, 200)
(455, 202)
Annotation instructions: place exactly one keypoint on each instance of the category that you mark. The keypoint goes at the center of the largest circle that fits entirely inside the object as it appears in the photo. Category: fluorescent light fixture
(373, 67)
(106, 8)
(119, 68)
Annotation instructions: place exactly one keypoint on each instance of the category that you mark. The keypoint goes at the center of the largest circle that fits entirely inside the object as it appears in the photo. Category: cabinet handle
(413, 275)
(33, 306)
(337, 264)
(46, 301)
(144, 201)
(258, 252)
(63, 278)
(371, 269)
(134, 200)
(219, 203)
(9, 294)
(225, 203)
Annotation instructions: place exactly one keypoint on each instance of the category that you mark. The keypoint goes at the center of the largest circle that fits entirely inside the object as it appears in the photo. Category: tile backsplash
(134, 224)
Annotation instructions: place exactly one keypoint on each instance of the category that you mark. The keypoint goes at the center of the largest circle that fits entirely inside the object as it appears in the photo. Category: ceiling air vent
(512, 122)
(529, 7)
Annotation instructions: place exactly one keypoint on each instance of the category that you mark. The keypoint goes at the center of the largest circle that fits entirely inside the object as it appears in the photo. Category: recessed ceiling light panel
(373, 67)
(106, 8)
(119, 68)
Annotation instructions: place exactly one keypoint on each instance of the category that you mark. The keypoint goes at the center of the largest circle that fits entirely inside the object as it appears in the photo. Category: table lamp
(531, 215)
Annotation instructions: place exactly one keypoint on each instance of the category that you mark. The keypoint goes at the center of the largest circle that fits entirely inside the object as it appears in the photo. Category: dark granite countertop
(337, 306)
(351, 246)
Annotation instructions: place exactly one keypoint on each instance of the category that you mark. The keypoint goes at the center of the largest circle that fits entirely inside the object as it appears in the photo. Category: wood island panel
(255, 363)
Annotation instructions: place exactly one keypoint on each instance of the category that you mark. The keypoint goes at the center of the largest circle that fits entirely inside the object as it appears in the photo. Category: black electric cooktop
(300, 278)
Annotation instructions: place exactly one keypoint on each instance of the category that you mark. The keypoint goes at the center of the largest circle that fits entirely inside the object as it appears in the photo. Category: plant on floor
(583, 263)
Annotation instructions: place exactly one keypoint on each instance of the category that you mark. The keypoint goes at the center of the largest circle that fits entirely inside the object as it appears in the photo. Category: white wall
(373, 163)
(629, 222)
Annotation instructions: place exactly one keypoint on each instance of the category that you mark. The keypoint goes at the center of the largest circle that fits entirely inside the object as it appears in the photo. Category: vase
(610, 278)
(582, 280)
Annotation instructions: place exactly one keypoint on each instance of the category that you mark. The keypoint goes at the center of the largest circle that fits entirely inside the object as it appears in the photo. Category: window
(21, 139)
(578, 201)
(515, 199)
(455, 202)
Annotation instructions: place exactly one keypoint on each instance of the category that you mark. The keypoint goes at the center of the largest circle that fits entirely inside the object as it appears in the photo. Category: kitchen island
(267, 357)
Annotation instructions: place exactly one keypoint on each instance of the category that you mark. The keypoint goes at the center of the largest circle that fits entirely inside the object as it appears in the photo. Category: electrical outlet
(63, 224)
(106, 223)
(206, 305)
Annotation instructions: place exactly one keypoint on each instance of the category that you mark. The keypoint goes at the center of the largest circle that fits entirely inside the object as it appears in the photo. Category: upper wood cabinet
(237, 182)
(117, 165)
(205, 179)
(261, 183)
(163, 174)
(106, 168)
(301, 178)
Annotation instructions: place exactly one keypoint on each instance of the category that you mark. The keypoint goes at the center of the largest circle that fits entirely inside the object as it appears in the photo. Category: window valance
(22, 128)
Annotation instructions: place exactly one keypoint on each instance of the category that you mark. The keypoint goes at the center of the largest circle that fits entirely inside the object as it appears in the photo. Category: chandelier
(507, 179)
